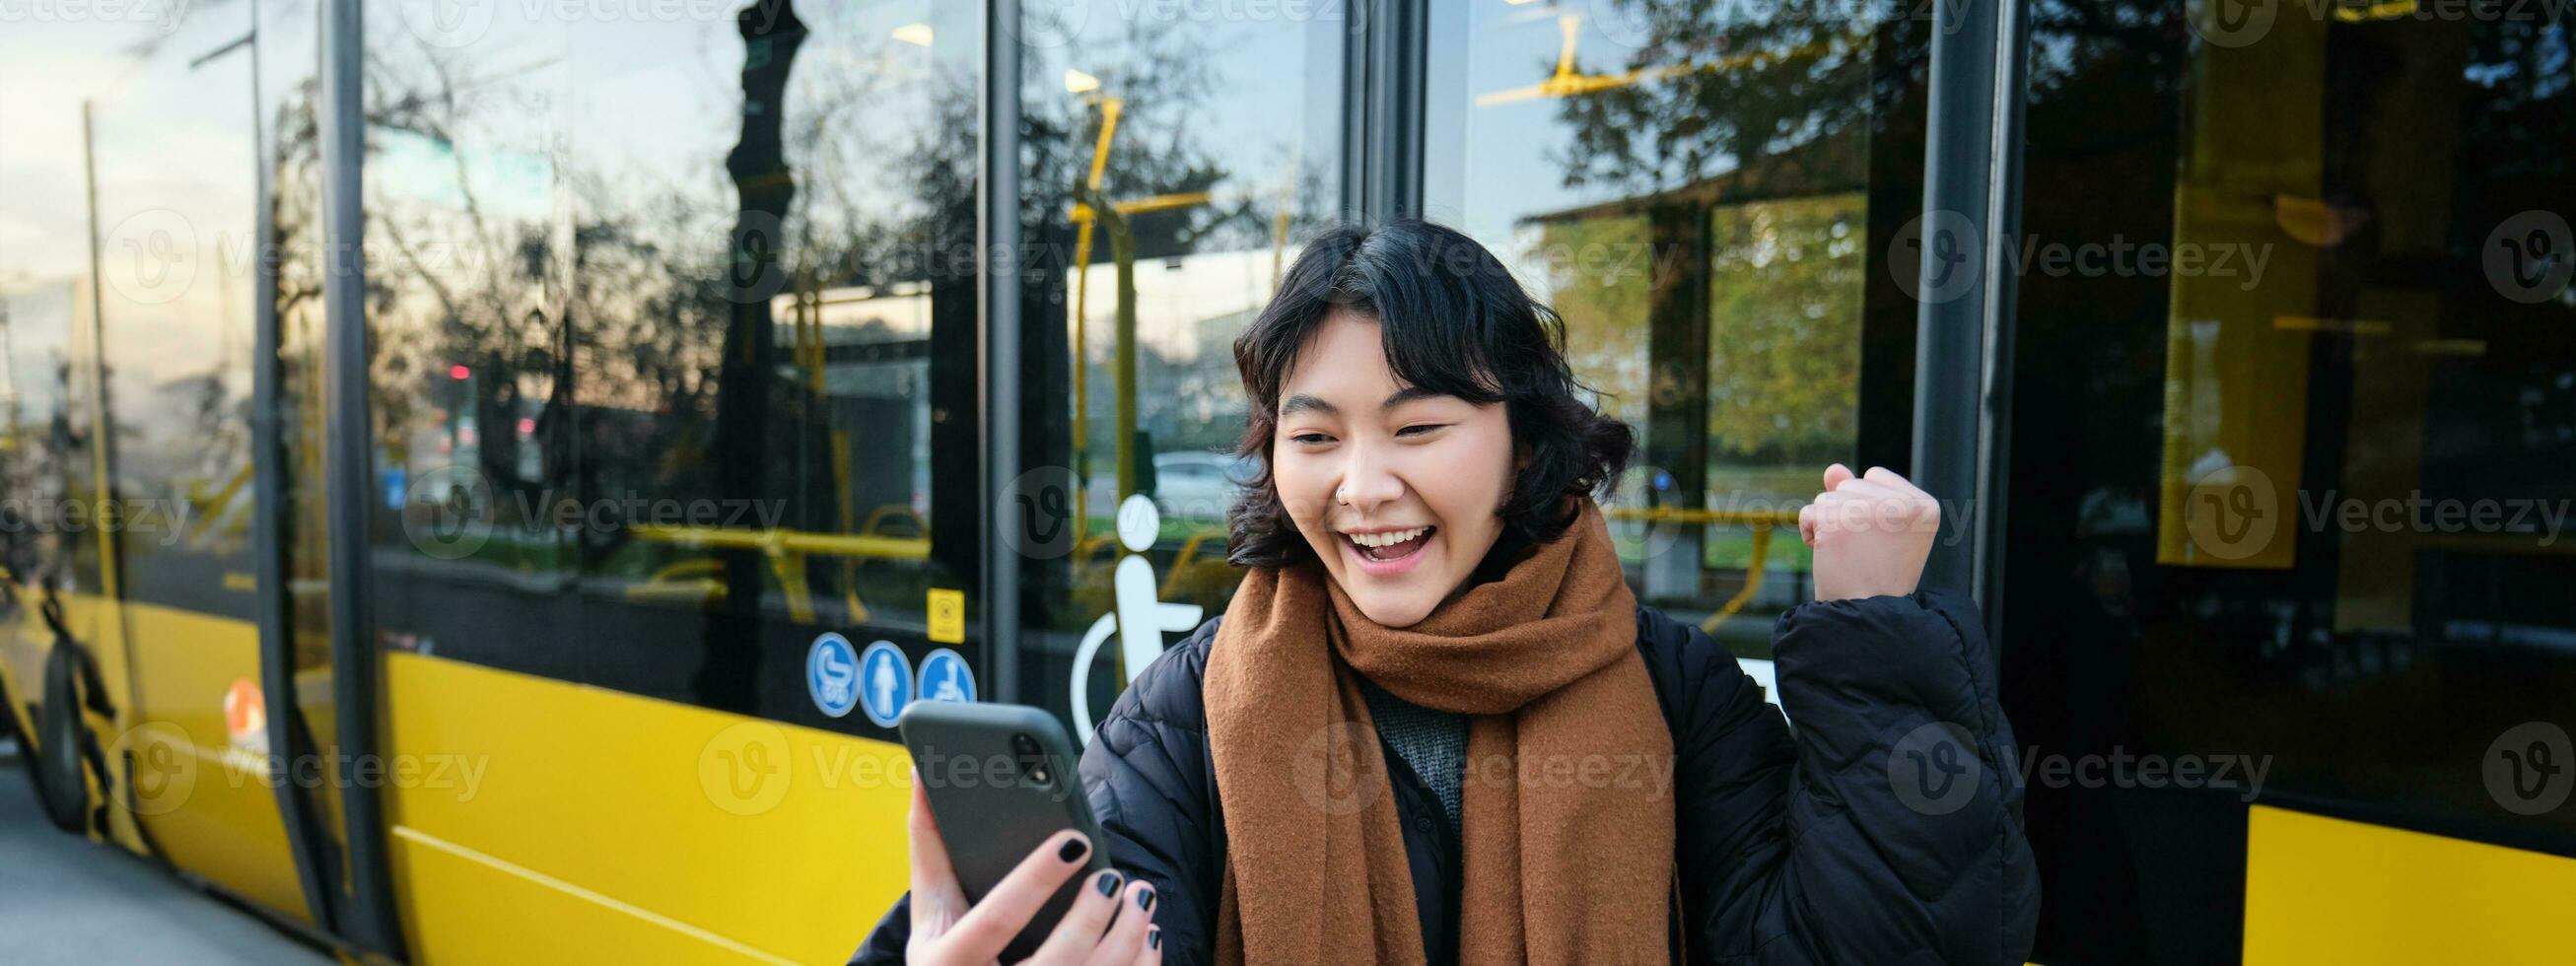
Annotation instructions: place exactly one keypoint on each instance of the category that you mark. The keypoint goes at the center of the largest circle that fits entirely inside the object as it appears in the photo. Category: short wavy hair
(1453, 321)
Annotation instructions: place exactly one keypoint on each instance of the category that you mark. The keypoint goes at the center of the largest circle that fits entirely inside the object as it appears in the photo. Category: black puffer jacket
(1876, 836)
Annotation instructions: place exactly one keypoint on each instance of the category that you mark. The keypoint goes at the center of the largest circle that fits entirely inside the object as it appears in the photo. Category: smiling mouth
(1388, 552)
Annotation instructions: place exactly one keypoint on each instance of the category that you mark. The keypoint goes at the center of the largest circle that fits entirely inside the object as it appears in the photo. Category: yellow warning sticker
(947, 616)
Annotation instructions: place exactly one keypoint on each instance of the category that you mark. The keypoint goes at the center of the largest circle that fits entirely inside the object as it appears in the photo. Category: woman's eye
(1310, 439)
(1420, 428)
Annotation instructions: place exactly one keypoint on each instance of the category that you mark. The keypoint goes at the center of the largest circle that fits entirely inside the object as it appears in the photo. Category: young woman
(1434, 726)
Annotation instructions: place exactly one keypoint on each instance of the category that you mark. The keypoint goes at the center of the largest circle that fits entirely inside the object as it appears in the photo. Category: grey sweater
(1432, 742)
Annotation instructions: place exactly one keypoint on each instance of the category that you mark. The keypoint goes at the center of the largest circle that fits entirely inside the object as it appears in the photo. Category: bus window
(175, 337)
(466, 269)
(1703, 198)
(2294, 403)
(1174, 165)
(666, 403)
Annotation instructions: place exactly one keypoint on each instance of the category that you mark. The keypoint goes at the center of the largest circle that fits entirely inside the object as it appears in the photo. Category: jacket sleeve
(1888, 829)
(1147, 776)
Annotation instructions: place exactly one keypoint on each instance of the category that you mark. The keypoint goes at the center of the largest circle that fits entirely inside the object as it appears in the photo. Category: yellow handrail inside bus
(1181, 561)
(1762, 523)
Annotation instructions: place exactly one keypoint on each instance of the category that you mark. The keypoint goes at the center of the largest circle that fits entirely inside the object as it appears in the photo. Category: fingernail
(1073, 849)
(1108, 883)
(1154, 937)
(1145, 899)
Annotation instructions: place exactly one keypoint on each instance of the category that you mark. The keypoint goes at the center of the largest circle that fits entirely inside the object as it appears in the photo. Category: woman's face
(1419, 477)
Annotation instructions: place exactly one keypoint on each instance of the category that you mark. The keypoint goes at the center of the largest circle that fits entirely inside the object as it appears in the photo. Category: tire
(55, 767)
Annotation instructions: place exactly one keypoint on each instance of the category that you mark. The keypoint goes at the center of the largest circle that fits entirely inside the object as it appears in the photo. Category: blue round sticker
(945, 677)
(885, 682)
(832, 674)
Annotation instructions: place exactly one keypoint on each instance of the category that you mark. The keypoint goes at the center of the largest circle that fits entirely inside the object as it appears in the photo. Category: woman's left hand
(1871, 533)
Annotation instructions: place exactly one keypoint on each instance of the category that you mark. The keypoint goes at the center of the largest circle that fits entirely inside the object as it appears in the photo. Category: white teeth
(1388, 539)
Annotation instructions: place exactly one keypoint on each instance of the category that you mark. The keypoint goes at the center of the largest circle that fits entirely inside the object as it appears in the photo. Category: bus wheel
(54, 765)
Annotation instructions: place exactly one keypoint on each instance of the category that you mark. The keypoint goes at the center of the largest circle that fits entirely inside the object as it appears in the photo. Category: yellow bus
(480, 479)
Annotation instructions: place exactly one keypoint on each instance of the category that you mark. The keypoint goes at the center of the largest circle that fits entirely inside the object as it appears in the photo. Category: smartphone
(1000, 779)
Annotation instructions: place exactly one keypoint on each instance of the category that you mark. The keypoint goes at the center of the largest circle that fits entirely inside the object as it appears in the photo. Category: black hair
(1452, 320)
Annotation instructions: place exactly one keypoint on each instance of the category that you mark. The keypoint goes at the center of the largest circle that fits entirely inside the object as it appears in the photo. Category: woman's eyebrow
(1408, 394)
(1302, 402)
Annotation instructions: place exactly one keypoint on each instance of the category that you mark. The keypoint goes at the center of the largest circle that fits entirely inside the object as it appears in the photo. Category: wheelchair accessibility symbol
(1139, 619)
(945, 677)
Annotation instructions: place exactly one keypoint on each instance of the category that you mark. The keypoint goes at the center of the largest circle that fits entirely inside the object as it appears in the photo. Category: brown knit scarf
(1568, 808)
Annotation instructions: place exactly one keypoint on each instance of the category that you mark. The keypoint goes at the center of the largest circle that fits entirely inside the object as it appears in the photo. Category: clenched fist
(1871, 533)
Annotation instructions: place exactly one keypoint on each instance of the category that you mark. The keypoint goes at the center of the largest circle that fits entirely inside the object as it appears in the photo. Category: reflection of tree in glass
(1719, 91)
(459, 279)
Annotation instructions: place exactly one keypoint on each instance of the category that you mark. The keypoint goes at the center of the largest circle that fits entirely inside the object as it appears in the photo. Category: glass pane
(465, 273)
(1171, 166)
(664, 403)
(776, 326)
(1702, 192)
(2295, 395)
(177, 313)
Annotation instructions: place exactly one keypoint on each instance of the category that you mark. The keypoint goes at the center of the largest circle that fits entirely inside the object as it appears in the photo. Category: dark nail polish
(1073, 849)
(1154, 938)
(1108, 883)
(1145, 899)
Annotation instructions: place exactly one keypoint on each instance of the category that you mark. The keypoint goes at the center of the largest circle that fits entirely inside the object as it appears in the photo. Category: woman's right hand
(946, 932)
